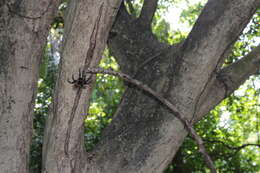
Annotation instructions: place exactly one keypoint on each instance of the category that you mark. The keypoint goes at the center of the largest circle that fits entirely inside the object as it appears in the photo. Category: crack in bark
(93, 39)
(223, 80)
(72, 115)
(200, 95)
(89, 56)
(214, 72)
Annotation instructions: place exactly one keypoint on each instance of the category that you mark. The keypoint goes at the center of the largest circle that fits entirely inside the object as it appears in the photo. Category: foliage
(43, 100)
(46, 84)
(234, 122)
(247, 40)
(231, 124)
(105, 98)
(190, 14)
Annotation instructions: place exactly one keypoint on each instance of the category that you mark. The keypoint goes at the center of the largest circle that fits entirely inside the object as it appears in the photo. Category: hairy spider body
(82, 81)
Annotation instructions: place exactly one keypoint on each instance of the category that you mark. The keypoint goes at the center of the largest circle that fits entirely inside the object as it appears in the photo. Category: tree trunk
(24, 28)
(87, 26)
(144, 135)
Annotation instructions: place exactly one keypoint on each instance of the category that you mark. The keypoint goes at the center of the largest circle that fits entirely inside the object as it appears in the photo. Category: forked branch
(228, 80)
(167, 103)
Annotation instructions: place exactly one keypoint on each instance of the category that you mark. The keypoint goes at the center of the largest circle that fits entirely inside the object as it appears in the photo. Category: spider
(82, 80)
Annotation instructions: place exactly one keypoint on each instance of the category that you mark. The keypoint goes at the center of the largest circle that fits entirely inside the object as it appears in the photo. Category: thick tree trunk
(144, 135)
(23, 32)
(87, 26)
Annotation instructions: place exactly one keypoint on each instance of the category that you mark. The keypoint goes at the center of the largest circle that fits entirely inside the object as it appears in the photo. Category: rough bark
(24, 28)
(144, 136)
(188, 126)
(87, 27)
(228, 79)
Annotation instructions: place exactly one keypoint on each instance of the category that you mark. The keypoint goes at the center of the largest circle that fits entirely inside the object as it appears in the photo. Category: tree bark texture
(24, 28)
(144, 135)
(87, 26)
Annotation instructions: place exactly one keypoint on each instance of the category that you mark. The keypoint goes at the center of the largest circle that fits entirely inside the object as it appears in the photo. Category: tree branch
(237, 148)
(147, 12)
(234, 75)
(227, 81)
(210, 39)
(167, 103)
(211, 32)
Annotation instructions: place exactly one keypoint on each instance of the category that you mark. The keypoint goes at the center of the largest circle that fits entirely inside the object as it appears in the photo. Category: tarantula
(81, 81)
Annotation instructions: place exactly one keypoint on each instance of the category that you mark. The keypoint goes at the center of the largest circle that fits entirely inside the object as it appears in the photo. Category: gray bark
(144, 136)
(23, 31)
(87, 26)
(227, 80)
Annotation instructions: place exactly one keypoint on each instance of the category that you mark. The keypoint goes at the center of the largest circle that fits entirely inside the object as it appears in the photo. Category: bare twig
(167, 103)
(237, 148)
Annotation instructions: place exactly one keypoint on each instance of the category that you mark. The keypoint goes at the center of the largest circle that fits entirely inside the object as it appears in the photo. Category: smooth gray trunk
(23, 31)
(87, 25)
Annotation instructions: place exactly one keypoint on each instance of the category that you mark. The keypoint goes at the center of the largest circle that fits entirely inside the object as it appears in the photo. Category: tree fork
(167, 103)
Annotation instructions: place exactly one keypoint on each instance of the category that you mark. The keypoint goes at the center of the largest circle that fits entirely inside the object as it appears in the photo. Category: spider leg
(84, 74)
(72, 77)
(71, 82)
(88, 80)
(80, 73)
